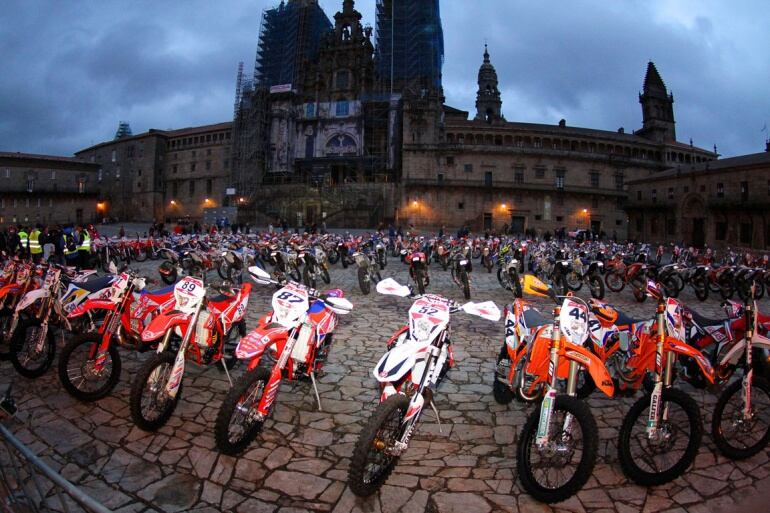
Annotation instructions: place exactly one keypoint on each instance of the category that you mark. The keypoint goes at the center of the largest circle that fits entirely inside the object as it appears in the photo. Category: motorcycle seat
(159, 292)
(96, 284)
(705, 321)
(624, 319)
(534, 319)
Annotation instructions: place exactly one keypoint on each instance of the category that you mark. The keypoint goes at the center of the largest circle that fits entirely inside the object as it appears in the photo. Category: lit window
(343, 108)
(8, 174)
(310, 110)
(81, 185)
(114, 155)
(53, 174)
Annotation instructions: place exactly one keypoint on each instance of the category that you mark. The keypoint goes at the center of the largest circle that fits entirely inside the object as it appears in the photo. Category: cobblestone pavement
(300, 461)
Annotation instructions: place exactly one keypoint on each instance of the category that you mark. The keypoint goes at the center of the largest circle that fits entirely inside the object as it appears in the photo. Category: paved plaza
(300, 461)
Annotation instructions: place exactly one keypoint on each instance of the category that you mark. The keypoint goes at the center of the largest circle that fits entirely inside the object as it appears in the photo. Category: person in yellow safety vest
(35, 248)
(84, 246)
(23, 242)
(69, 249)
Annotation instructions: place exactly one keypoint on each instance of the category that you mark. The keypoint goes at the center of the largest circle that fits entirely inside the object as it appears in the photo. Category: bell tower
(488, 103)
(657, 108)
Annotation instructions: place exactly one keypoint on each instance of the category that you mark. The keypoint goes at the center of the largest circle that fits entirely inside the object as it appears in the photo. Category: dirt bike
(418, 357)
(207, 328)
(661, 433)
(588, 272)
(741, 421)
(418, 269)
(559, 441)
(90, 364)
(298, 334)
(368, 270)
(33, 344)
(316, 266)
(461, 268)
(18, 280)
(509, 264)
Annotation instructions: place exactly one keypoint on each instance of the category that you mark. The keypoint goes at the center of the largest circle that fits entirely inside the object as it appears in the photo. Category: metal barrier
(28, 485)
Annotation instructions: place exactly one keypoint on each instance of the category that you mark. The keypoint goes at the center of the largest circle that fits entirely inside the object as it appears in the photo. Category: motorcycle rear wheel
(364, 281)
(76, 363)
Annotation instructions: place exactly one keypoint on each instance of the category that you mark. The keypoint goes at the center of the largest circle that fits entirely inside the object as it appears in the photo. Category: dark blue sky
(71, 70)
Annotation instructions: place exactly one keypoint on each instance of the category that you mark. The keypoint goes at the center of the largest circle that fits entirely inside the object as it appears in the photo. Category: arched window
(341, 144)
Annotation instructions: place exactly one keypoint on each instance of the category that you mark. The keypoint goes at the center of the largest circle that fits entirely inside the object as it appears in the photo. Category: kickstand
(315, 388)
(438, 419)
(227, 373)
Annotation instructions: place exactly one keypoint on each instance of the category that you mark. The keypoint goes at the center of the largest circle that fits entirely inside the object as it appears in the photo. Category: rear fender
(594, 365)
(92, 304)
(683, 349)
(162, 323)
(32, 296)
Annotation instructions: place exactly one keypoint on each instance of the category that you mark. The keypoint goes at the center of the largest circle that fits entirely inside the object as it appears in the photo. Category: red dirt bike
(298, 334)
(419, 356)
(619, 274)
(206, 327)
(90, 364)
(418, 268)
(19, 281)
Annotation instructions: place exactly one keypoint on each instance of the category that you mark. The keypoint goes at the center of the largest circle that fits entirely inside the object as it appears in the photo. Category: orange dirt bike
(661, 433)
(292, 342)
(559, 441)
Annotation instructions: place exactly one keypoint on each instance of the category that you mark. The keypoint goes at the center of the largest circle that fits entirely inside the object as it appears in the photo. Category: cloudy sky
(71, 69)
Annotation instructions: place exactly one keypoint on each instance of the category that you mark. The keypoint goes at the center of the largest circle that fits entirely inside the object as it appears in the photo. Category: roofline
(728, 165)
(47, 158)
(163, 133)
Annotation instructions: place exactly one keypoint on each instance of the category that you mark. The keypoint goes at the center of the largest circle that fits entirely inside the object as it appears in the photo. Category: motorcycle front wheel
(25, 356)
(596, 285)
(6, 315)
(614, 281)
(151, 407)
(736, 436)
(237, 424)
(561, 468)
(663, 458)
(371, 463)
(363, 281)
(76, 368)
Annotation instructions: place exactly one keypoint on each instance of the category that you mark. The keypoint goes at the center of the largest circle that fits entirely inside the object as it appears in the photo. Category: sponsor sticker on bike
(573, 321)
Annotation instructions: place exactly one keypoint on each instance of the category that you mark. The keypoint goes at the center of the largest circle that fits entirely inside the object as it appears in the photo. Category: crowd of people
(68, 245)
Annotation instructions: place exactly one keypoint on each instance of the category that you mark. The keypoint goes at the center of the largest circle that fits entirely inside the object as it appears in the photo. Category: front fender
(398, 362)
(685, 350)
(256, 342)
(32, 296)
(595, 367)
(92, 304)
(162, 323)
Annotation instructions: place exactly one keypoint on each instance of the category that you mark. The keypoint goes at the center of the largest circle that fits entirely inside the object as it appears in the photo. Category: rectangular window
(450, 161)
(227, 163)
(81, 185)
(461, 206)
(639, 224)
(193, 153)
(745, 233)
(670, 193)
(192, 187)
(538, 217)
(469, 168)
(8, 175)
(594, 179)
(173, 168)
(175, 189)
(720, 190)
(209, 187)
(53, 174)
(310, 110)
(654, 195)
(30, 184)
(114, 155)
(208, 152)
(619, 181)
(117, 172)
(560, 179)
(192, 166)
(99, 175)
(38, 203)
(671, 226)
(639, 195)
(744, 191)
(686, 189)
(343, 79)
(559, 219)
(518, 176)
(343, 108)
(720, 230)
(50, 202)
(539, 172)
(208, 165)
(488, 179)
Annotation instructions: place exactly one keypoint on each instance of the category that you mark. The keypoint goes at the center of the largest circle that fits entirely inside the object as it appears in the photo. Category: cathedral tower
(657, 108)
(488, 103)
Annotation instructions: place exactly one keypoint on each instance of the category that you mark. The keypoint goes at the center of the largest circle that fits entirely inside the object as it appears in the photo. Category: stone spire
(488, 102)
(657, 108)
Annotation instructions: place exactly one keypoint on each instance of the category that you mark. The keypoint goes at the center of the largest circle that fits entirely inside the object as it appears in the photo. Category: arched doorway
(694, 221)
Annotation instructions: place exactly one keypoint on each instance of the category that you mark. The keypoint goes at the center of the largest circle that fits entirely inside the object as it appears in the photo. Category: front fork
(749, 374)
(276, 377)
(663, 376)
(543, 437)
